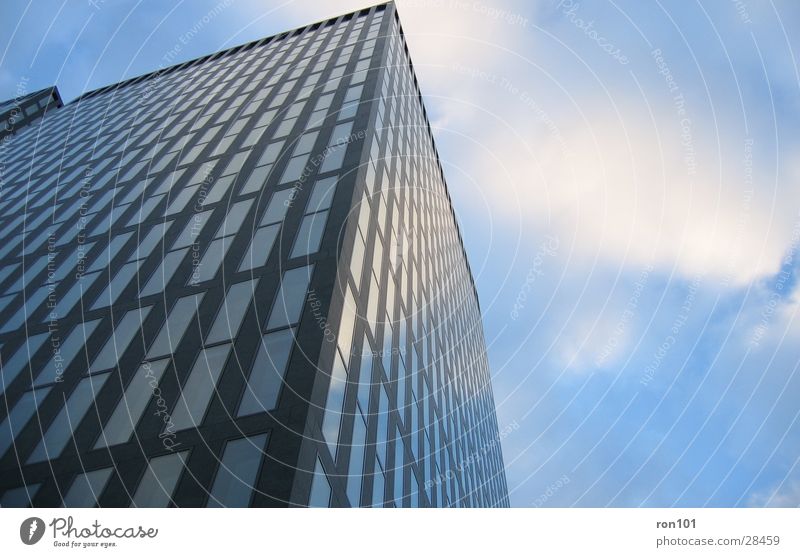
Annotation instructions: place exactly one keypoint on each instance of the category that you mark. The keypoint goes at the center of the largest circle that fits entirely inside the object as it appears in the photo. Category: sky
(625, 176)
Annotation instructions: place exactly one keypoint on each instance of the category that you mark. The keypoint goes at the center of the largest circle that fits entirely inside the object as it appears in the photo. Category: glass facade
(240, 282)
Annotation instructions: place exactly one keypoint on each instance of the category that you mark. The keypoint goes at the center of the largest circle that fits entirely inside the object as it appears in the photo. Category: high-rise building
(239, 281)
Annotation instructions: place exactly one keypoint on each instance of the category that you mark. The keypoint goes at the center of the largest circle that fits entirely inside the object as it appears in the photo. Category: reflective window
(175, 326)
(66, 351)
(19, 497)
(356, 466)
(192, 229)
(335, 402)
(160, 478)
(288, 304)
(163, 274)
(230, 316)
(86, 489)
(134, 400)
(117, 285)
(266, 377)
(122, 336)
(19, 415)
(60, 431)
(320, 488)
(278, 205)
(260, 247)
(199, 387)
(235, 480)
(20, 360)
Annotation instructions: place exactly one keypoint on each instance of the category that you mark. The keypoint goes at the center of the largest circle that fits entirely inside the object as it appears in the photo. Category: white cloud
(784, 495)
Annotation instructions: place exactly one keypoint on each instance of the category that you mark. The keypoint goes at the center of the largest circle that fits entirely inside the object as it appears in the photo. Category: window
(212, 260)
(19, 496)
(68, 300)
(61, 429)
(278, 206)
(288, 304)
(181, 200)
(399, 458)
(134, 400)
(356, 465)
(267, 375)
(122, 336)
(192, 230)
(234, 219)
(64, 352)
(310, 234)
(19, 415)
(260, 247)
(163, 274)
(175, 326)
(346, 325)
(149, 243)
(86, 489)
(114, 247)
(117, 285)
(20, 360)
(159, 480)
(334, 406)
(233, 486)
(230, 316)
(199, 387)
(320, 488)
(334, 158)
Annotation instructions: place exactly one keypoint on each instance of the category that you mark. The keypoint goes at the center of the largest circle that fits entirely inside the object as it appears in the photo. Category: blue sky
(625, 175)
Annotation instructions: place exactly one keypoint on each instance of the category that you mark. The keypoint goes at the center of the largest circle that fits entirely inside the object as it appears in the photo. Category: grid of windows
(172, 250)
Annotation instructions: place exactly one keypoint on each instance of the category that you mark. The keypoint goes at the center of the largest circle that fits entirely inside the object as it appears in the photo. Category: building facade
(240, 282)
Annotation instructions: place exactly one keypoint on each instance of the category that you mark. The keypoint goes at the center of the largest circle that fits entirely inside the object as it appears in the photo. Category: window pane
(295, 169)
(19, 361)
(19, 497)
(211, 262)
(310, 234)
(257, 179)
(104, 258)
(334, 403)
(86, 489)
(159, 480)
(134, 400)
(266, 377)
(278, 205)
(322, 194)
(356, 466)
(320, 488)
(65, 352)
(219, 189)
(233, 220)
(192, 230)
(174, 328)
(123, 335)
(66, 303)
(60, 431)
(19, 416)
(116, 286)
(233, 486)
(289, 302)
(230, 315)
(334, 158)
(260, 247)
(179, 202)
(199, 387)
(163, 274)
(148, 243)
